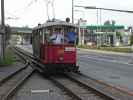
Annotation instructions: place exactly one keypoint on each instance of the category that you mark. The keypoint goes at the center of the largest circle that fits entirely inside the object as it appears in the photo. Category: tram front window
(57, 37)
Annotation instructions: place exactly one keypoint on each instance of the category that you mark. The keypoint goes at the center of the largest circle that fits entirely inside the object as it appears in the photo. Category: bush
(117, 49)
(131, 40)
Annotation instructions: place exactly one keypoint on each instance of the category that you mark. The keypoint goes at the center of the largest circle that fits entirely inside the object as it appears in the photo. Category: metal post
(79, 34)
(97, 29)
(83, 39)
(2, 13)
(2, 39)
(73, 11)
(97, 20)
(100, 20)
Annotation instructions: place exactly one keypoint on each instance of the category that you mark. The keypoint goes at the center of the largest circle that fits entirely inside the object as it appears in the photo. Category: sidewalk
(6, 71)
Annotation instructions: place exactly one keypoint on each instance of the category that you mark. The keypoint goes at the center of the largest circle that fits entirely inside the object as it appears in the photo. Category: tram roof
(60, 23)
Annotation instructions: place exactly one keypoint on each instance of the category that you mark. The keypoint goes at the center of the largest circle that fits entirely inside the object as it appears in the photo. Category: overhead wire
(26, 7)
(47, 10)
(12, 16)
(51, 4)
(53, 8)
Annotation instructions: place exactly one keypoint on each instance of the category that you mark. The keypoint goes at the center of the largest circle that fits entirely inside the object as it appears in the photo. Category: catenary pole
(2, 33)
(73, 11)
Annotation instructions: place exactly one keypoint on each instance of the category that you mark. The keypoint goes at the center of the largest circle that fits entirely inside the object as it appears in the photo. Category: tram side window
(41, 35)
(45, 36)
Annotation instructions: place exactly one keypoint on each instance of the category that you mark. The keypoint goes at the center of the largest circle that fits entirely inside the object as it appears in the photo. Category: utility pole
(2, 33)
(73, 11)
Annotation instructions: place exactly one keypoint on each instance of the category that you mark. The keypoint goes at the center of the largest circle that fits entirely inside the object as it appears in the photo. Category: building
(23, 34)
(102, 34)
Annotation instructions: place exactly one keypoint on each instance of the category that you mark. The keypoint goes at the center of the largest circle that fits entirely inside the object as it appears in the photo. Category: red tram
(54, 43)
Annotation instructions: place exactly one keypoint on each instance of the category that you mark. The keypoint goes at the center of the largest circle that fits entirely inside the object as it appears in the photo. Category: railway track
(28, 57)
(77, 90)
(9, 85)
(38, 87)
(80, 87)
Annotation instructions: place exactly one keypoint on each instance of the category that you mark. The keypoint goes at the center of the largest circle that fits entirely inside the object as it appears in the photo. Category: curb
(106, 52)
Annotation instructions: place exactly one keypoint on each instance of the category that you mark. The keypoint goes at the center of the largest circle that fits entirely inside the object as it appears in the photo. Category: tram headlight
(61, 54)
(61, 58)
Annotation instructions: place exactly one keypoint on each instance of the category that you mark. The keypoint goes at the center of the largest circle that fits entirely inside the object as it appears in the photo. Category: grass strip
(9, 59)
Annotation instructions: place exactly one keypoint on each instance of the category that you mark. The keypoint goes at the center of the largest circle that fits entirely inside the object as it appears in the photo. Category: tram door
(47, 48)
(36, 43)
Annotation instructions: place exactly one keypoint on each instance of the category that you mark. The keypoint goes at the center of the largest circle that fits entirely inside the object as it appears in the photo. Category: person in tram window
(57, 37)
(71, 35)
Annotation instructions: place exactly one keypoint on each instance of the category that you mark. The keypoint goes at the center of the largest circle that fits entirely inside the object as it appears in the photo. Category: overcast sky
(32, 12)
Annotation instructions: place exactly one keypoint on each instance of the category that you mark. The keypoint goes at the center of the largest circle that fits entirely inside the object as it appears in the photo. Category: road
(113, 68)
(125, 58)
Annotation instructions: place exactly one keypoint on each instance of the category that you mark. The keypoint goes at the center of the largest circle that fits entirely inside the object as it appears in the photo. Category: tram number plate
(69, 49)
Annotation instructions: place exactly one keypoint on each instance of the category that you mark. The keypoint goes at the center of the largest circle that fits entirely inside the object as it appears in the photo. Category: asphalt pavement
(111, 68)
(126, 58)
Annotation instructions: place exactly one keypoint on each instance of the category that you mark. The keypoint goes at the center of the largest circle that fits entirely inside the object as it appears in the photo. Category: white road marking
(40, 91)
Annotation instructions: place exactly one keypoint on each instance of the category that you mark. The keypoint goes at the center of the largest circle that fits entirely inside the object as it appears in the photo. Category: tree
(107, 22)
(113, 22)
(119, 35)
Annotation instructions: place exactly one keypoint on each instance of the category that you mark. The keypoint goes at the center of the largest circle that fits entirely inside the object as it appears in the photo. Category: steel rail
(72, 94)
(80, 95)
(69, 92)
(17, 53)
(93, 89)
(100, 86)
(13, 90)
(31, 58)
(13, 74)
(103, 90)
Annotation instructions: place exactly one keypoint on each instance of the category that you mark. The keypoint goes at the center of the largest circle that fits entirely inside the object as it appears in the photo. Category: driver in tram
(71, 36)
(57, 37)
